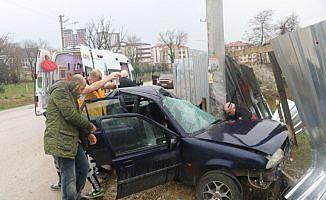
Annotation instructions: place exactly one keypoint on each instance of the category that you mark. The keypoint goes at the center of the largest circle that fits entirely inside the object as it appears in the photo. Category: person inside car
(237, 113)
(124, 80)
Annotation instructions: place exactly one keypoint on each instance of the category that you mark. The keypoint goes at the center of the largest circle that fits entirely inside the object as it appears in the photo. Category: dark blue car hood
(264, 135)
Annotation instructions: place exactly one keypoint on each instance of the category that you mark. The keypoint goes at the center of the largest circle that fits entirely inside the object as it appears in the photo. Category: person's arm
(95, 86)
(68, 111)
(110, 86)
(99, 84)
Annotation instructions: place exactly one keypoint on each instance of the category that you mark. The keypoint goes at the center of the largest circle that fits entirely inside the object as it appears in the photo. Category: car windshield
(192, 119)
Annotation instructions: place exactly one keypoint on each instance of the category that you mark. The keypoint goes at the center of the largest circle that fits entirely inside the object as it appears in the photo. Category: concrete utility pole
(216, 56)
(61, 30)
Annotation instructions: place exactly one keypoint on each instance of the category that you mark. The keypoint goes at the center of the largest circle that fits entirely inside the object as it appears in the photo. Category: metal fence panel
(302, 57)
(191, 78)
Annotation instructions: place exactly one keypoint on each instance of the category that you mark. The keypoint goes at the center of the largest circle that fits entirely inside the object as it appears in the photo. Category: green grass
(17, 95)
(300, 157)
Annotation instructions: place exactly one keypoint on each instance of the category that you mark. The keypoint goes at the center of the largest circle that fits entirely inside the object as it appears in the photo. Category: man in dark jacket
(124, 81)
(64, 127)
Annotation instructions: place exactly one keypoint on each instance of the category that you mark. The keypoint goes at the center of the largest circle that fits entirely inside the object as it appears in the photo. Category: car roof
(153, 92)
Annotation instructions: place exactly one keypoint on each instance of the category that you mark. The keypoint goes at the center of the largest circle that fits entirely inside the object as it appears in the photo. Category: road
(26, 172)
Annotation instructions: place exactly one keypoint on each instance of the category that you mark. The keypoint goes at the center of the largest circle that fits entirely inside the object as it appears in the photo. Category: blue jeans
(73, 174)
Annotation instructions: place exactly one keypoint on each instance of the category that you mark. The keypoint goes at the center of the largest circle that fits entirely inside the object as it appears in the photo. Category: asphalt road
(26, 172)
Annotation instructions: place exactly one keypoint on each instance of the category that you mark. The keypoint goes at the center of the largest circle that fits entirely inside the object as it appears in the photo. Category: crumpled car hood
(264, 135)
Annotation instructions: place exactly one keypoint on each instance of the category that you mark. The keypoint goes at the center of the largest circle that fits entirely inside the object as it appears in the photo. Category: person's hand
(114, 75)
(93, 129)
(92, 139)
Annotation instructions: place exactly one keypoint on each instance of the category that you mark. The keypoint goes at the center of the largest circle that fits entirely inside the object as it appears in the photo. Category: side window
(93, 110)
(132, 134)
(129, 102)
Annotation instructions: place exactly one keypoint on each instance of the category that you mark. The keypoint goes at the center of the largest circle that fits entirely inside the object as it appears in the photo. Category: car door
(93, 110)
(144, 153)
(42, 81)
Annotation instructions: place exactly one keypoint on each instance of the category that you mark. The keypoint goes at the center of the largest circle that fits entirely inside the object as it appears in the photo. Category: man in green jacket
(64, 128)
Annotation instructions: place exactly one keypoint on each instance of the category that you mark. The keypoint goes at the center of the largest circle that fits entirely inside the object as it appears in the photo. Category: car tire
(218, 185)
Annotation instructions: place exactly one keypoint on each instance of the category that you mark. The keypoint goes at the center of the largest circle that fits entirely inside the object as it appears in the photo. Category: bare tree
(261, 28)
(288, 24)
(172, 39)
(131, 52)
(30, 50)
(101, 34)
(4, 43)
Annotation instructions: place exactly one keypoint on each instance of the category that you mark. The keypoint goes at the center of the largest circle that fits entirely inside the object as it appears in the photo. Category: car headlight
(274, 159)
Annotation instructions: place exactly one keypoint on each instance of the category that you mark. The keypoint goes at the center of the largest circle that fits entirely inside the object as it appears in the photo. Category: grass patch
(300, 157)
(17, 95)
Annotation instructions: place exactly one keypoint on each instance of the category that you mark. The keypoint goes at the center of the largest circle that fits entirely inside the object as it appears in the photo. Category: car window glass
(101, 108)
(190, 117)
(129, 102)
(132, 134)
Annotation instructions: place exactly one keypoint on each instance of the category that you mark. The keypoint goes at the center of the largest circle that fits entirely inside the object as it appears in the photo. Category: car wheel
(216, 185)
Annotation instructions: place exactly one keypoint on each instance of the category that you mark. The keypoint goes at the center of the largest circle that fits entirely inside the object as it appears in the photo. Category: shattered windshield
(192, 119)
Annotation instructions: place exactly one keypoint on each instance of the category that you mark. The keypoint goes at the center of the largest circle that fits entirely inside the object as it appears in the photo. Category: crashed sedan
(151, 137)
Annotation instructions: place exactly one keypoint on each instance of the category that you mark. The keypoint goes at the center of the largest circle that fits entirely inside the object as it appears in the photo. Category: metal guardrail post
(281, 90)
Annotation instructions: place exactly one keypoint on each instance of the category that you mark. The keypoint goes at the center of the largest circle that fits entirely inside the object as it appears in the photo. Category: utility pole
(61, 29)
(216, 56)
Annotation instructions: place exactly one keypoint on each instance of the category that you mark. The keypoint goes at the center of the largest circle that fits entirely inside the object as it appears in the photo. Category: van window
(68, 62)
(124, 66)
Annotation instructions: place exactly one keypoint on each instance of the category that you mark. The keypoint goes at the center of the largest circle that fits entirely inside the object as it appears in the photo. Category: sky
(34, 19)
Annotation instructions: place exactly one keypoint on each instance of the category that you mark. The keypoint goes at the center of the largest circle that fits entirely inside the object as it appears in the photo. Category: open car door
(42, 81)
(143, 153)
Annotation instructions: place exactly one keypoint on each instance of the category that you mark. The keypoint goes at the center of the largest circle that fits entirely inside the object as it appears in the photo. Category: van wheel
(216, 185)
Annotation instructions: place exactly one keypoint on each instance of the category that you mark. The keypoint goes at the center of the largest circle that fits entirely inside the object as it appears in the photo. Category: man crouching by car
(64, 126)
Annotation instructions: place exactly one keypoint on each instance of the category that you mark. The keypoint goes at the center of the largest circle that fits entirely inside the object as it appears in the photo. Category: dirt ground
(169, 191)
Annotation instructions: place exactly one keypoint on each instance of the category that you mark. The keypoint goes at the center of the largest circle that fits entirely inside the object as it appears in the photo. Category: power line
(33, 10)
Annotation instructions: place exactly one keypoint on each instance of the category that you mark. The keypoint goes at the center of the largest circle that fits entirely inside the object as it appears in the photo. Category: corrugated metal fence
(302, 58)
(191, 78)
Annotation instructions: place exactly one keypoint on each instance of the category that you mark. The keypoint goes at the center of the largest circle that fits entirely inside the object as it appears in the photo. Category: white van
(81, 60)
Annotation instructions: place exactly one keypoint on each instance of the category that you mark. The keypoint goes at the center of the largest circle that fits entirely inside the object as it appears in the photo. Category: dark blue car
(150, 137)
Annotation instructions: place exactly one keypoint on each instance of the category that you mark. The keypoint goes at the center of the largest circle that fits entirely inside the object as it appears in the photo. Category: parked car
(166, 81)
(151, 137)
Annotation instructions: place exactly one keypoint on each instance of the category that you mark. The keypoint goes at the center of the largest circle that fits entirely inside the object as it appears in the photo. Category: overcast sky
(33, 19)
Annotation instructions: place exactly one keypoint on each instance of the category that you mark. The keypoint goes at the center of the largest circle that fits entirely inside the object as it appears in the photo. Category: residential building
(71, 39)
(245, 53)
(140, 50)
(80, 37)
(68, 38)
(112, 38)
(144, 52)
(160, 53)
